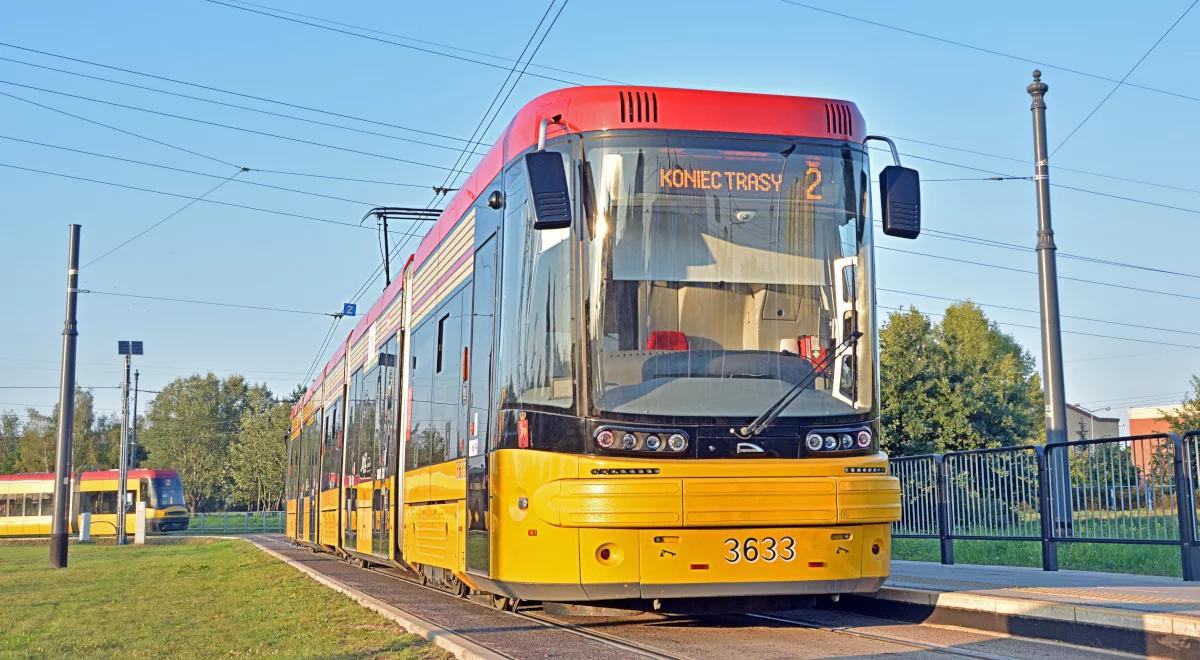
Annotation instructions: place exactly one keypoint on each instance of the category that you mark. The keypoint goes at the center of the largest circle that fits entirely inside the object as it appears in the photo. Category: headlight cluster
(667, 442)
(845, 440)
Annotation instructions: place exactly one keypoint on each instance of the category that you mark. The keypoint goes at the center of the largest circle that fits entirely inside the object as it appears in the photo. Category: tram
(634, 360)
(27, 502)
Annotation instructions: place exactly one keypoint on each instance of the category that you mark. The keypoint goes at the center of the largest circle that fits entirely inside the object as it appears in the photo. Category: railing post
(225, 522)
(942, 492)
(1045, 511)
(1185, 504)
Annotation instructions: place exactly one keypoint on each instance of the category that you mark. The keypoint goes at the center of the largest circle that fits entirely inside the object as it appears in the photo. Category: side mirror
(548, 190)
(900, 197)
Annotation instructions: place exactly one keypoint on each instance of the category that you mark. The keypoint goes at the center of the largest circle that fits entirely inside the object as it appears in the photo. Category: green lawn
(182, 597)
(1106, 557)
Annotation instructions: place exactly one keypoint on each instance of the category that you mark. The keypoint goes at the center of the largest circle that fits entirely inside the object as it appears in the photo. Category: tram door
(385, 447)
(479, 408)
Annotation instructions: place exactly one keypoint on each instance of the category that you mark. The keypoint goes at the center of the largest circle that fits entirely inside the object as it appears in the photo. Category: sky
(950, 107)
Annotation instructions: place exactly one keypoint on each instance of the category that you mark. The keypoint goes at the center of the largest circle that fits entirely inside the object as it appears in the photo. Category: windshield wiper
(773, 411)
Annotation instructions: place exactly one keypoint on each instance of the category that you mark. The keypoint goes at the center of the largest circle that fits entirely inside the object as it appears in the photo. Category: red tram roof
(623, 107)
(92, 475)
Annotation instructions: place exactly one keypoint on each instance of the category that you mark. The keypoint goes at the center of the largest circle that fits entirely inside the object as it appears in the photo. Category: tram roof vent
(839, 119)
(638, 107)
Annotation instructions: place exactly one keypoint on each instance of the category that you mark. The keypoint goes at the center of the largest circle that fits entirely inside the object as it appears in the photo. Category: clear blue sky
(906, 86)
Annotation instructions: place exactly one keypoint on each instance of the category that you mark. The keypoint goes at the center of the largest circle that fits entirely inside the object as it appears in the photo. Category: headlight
(677, 442)
(813, 441)
(831, 443)
(864, 439)
(653, 442)
(606, 439)
(846, 441)
(629, 441)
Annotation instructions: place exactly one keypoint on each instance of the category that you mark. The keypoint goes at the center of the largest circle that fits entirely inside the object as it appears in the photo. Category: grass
(1104, 557)
(182, 597)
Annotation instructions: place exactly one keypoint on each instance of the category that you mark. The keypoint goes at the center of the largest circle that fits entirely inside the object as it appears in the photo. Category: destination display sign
(736, 180)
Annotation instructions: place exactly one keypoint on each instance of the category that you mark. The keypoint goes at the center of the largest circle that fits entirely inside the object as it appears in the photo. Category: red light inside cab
(667, 340)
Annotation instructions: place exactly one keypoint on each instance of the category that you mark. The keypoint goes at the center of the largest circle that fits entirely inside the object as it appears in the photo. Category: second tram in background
(27, 502)
(634, 360)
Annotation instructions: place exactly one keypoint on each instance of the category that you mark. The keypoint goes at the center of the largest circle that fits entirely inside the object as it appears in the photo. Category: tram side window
(437, 429)
(32, 501)
(3, 505)
(98, 502)
(535, 363)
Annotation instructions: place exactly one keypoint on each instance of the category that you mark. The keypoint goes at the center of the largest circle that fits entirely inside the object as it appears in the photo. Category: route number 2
(766, 549)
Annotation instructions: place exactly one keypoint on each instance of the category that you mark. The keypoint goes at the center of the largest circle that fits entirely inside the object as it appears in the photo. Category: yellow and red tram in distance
(635, 359)
(27, 501)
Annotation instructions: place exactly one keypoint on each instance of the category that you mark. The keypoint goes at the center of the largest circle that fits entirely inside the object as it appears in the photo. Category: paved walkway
(1139, 593)
(1152, 606)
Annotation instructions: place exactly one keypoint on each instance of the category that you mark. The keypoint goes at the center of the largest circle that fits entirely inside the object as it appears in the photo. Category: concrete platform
(1135, 613)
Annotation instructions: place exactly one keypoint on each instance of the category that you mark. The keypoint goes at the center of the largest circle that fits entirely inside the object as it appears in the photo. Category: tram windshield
(721, 272)
(168, 491)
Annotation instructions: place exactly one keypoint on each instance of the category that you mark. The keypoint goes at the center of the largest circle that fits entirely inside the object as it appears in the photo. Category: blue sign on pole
(349, 309)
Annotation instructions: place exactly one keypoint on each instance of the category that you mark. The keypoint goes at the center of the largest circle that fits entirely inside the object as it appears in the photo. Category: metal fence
(1137, 489)
(235, 522)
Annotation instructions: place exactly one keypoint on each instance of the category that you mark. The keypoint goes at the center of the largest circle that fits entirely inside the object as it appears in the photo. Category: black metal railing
(1137, 489)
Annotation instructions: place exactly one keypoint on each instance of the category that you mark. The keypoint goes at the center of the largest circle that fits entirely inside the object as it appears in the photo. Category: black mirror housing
(900, 198)
(548, 190)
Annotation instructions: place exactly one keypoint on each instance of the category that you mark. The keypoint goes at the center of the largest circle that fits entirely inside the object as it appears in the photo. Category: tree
(190, 426)
(258, 458)
(959, 384)
(36, 446)
(10, 438)
(1187, 418)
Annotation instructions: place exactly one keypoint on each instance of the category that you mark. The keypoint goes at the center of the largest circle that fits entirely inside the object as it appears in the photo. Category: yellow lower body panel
(290, 520)
(433, 535)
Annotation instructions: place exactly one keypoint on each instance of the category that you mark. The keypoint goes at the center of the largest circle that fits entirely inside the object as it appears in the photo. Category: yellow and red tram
(635, 358)
(27, 501)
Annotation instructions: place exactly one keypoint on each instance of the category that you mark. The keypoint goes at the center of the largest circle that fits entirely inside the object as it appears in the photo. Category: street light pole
(123, 472)
(133, 431)
(1052, 360)
(66, 411)
(127, 349)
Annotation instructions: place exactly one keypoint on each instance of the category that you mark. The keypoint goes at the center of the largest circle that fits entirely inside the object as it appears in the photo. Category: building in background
(1149, 419)
(1083, 424)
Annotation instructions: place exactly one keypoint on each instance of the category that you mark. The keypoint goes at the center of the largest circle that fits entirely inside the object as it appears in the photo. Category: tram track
(657, 635)
(618, 643)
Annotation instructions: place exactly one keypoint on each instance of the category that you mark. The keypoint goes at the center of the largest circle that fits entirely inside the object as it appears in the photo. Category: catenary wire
(188, 204)
(231, 127)
(981, 49)
(1065, 332)
(423, 41)
(214, 303)
(1034, 311)
(194, 172)
(1031, 272)
(235, 105)
(382, 40)
(119, 130)
(247, 207)
(1123, 79)
(210, 88)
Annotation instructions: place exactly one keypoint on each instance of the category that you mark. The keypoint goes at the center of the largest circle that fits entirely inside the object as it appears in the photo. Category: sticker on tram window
(766, 549)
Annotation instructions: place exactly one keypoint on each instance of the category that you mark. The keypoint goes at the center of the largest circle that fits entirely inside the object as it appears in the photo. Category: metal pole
(1052, 361)
(66, 410)
(123, 473)
(133, 429)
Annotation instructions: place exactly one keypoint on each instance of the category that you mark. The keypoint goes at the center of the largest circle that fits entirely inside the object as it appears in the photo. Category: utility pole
(133, 438)
(1052, 360)
(60, 527)
(127, 349)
